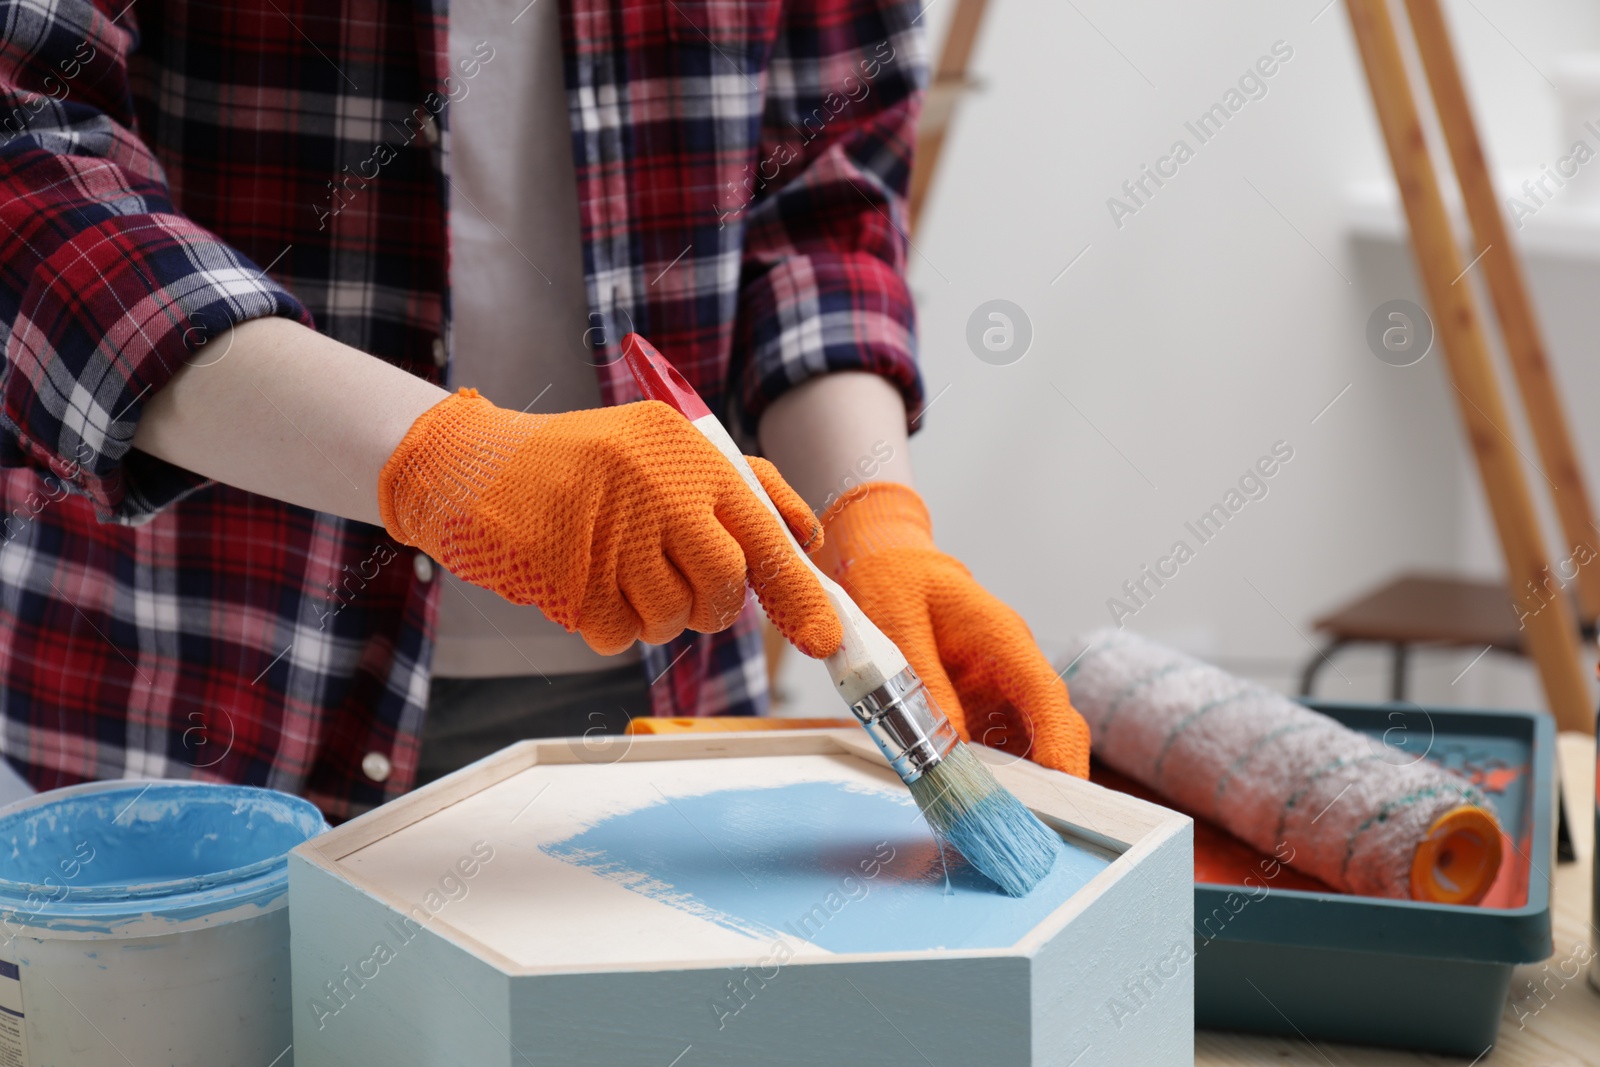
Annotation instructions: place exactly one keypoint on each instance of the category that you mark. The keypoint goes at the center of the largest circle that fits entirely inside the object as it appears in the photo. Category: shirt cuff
(811, 315)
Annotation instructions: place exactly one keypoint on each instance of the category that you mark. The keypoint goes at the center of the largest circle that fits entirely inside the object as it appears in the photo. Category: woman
(245, 247)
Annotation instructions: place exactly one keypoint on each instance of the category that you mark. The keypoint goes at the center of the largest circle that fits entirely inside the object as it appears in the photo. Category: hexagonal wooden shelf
(733, 899)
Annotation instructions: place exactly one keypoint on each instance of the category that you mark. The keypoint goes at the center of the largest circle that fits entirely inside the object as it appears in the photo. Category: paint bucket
(147, 923)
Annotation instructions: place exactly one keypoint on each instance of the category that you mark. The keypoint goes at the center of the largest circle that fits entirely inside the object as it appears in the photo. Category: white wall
(1222, 317)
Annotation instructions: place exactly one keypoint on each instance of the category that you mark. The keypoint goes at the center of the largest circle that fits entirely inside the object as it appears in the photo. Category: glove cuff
(422, 460)
(871, 518)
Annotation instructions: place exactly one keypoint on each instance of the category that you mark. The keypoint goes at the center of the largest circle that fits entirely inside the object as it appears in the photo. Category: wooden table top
(1565, 1032)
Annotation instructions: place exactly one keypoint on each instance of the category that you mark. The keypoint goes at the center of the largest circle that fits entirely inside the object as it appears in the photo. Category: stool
(1417, 609)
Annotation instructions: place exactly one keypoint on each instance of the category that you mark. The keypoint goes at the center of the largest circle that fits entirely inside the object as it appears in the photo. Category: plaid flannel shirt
(169, 169)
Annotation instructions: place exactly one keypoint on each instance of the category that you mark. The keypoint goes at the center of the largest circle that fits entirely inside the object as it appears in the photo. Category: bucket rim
(30, 903)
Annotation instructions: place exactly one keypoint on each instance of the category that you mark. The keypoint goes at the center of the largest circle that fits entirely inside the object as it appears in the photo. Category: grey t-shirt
(520, 310)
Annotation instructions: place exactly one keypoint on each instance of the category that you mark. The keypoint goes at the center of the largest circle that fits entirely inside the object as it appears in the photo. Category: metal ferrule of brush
(909, 728)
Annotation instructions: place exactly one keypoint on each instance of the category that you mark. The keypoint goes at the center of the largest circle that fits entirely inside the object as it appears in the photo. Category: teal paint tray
(1325, 965)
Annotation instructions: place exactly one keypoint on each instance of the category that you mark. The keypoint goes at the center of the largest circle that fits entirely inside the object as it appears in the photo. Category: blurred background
(1174, 346)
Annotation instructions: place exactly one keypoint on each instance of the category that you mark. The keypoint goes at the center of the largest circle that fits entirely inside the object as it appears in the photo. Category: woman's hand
(979, 661)
(975, 654)
(620, 523)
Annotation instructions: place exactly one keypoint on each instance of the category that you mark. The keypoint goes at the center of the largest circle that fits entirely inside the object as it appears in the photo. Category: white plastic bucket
(147, 923)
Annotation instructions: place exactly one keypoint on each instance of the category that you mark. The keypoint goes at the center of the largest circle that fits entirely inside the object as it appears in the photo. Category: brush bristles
(969, 808)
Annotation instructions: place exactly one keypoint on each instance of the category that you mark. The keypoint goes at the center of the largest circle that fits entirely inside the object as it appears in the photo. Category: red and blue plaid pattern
(169, 169)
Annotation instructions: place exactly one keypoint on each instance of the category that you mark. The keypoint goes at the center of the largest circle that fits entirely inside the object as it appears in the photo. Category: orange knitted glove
(620, 523)
(975, 654)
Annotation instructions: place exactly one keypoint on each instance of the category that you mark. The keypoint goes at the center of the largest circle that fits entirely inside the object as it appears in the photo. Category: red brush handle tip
(660, 380)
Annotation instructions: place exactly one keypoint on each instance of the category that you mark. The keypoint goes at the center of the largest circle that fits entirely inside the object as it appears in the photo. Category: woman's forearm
(281, 410)
(835, 432)
(278, 409)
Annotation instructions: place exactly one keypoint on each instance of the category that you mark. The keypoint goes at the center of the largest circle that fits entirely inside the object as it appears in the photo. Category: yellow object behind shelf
(728, 723)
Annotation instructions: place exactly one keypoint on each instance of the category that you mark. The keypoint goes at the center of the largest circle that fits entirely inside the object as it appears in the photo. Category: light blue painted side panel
(423, 1002)
(1117, 985)
(950, 1013)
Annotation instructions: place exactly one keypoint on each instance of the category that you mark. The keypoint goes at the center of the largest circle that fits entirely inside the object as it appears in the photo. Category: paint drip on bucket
(146, 922)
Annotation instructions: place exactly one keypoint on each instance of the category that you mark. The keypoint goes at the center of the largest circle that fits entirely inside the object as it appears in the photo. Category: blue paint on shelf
(847, 868)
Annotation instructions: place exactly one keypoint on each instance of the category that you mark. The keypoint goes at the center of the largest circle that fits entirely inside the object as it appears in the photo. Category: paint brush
(958, 795)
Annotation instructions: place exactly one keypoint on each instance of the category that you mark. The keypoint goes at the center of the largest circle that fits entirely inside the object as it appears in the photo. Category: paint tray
(1279, 952)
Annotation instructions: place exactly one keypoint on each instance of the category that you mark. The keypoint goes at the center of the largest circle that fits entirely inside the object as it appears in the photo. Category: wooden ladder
(1552, 632)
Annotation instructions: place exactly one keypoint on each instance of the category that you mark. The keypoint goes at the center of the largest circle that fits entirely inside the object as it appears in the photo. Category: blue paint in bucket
(147, 922)
(85, 858)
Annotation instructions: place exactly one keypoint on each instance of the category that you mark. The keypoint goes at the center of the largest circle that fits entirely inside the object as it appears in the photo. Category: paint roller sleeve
(1364, 817)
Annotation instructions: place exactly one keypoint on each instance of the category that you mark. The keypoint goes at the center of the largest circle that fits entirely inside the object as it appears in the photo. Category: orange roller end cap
(1458, 860)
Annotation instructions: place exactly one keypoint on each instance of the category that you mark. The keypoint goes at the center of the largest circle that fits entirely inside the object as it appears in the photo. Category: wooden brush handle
(867, 659)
